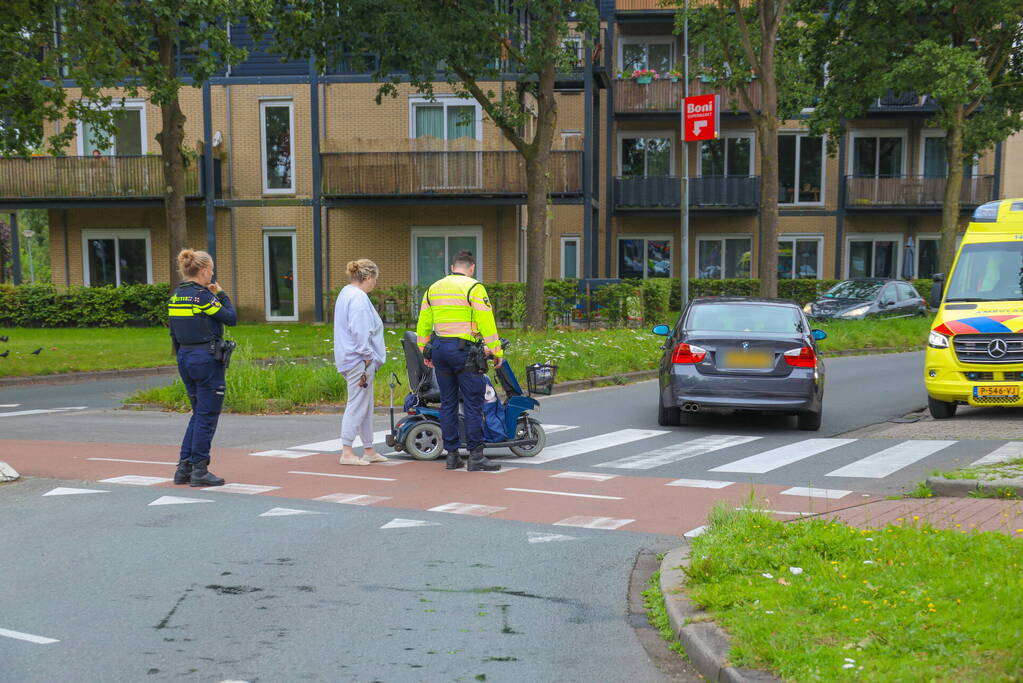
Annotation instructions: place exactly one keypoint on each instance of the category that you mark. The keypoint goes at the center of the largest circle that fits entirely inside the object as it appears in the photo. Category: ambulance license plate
(981, 392)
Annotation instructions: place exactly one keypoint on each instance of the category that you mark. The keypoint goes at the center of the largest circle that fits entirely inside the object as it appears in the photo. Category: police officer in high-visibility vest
(456, 310)
(198, 310)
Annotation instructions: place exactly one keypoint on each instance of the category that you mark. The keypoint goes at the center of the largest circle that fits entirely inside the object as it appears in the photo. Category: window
(570, 254)
(116, 257)
(645, 155)
(987, 272)
(657, 53)
(926, 255)
(433, 249)
(442, 129)
(935, 160)
(129, 138)
(878, 155)
(276, 119)
(905, 291)
(873, 255)
(730, 155)
(644, 256)
(800, 169)
(737, 317)
(279, 264)
(723, 257)
(799, 257)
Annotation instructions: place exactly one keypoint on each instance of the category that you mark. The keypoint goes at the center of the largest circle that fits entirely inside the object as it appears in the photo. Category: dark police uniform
(197, 319)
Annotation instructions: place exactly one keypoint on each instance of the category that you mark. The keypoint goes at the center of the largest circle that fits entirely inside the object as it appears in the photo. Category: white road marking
(554, 429)
(775, 512)
(141, 462)
(247, 489)
(28, 637)
(891, 460)
(136, 480)
(592, 443)
(830, 494)
(781, 456)
(64, 491)
(178, 500)
(586, 476)
(19, 413)
(335, 444)
(594, 522)
(341, 476)
(1004, 453)
(9, 405)
(693, 533)
(566, 493)
(679, 451)
(467, 509)
(283, 454)
(538, 537)
(353, 499)
(287, 512)
(700, 483)
(399, 523)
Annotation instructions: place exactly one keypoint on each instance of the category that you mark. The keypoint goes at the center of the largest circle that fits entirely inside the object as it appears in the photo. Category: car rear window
(745, 318)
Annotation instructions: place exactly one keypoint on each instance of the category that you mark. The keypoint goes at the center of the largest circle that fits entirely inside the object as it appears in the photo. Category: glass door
(434, 251)
(279, 263)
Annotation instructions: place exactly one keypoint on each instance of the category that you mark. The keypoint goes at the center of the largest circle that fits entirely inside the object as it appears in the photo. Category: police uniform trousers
(448, 358)
(204, 381)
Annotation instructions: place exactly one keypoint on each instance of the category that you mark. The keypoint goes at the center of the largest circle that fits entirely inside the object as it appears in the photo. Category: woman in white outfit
(358, 353)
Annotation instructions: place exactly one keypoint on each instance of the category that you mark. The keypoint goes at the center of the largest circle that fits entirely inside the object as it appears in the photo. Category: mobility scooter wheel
(528, 429)
(424, 441)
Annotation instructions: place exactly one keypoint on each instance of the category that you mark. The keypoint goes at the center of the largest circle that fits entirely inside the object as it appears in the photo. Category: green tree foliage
(751, 48)
(967, 56)
(504, 54)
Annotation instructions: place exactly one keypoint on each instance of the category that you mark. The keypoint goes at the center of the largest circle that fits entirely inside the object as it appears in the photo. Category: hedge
(50, 306)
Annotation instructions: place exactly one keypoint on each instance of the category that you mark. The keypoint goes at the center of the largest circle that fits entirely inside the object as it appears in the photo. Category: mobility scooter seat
(421, 380)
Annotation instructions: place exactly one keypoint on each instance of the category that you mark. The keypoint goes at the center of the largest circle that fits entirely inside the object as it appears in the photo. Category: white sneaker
(351, 460)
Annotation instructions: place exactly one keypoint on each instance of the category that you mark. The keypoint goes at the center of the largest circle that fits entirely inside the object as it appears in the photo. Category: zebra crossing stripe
(809, 492)
(335, 444)
(591, 443)
(1004, 453)
(781, 456)
(891, 460)
(677, 452)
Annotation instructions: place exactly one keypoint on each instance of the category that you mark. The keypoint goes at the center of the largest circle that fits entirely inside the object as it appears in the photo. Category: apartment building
(303, 172)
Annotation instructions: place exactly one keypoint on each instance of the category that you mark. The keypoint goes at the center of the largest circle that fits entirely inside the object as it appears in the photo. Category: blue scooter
(419, 433)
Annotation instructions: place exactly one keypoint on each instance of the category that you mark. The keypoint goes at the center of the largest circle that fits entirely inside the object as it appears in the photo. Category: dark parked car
(741, 353)
(871, 297)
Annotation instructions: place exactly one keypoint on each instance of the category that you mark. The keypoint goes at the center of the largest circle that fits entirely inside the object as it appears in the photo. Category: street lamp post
(29, 234)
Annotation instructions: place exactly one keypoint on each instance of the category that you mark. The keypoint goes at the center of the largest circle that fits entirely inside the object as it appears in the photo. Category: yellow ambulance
(975, 347)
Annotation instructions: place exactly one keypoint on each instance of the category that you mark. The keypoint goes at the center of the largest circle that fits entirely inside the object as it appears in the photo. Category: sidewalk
(980, 514)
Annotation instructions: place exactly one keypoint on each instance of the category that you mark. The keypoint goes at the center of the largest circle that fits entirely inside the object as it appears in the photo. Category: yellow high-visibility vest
(458, 306)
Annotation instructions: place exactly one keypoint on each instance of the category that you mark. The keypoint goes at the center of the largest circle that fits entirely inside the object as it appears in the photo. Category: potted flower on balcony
(644, 76)
(675, 74)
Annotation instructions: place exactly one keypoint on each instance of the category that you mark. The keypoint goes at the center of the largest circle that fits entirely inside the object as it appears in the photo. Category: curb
(594, 382)
(7, 473)
(75, 377)
(962, 488)
(704, 641)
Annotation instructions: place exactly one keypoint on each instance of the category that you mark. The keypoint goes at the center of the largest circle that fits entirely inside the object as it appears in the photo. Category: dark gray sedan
(741, 353)
(867, 297)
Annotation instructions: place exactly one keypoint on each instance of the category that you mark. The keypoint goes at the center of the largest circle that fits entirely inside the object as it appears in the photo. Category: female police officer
(198, 311)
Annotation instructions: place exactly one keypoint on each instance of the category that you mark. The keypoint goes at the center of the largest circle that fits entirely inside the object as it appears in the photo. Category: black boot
(454, 461)
(478, 463)
(201, 476)
(184, 472)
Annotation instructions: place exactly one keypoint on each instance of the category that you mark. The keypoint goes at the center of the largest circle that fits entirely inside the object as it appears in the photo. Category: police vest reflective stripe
(458, 306)
(188, 306)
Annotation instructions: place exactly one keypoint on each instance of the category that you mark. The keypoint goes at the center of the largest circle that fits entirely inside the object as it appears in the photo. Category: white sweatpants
(358, 417)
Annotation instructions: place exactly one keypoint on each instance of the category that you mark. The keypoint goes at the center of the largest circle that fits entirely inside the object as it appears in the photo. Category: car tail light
(801, 358)
(686, 354)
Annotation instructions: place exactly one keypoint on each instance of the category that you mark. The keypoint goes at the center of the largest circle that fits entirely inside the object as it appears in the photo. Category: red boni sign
(700, 118)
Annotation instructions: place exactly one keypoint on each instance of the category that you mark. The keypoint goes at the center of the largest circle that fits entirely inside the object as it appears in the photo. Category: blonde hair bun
(362, 269)
(192, 261)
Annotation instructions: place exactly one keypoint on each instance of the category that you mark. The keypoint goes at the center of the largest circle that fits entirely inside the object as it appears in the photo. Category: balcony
(665, 193)
(441, 174)
(50, 179)
(665, 96)
(913, 192)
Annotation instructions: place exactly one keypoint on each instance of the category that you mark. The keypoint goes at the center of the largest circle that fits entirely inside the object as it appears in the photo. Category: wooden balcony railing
(913, 192)
(666, 96)
(383, 174)
(103, 177)
(665, 192)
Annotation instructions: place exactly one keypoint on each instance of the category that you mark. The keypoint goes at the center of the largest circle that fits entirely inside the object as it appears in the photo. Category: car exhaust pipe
(691, 407)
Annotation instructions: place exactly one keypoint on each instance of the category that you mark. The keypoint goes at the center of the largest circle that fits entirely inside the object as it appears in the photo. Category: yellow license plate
(996, 391)
(751, 360)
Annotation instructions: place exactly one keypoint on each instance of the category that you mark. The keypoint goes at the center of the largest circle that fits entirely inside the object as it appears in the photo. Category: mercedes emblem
(997, 348)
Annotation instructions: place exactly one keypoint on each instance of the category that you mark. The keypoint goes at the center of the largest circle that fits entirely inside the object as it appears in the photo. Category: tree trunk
(953, 188)
(767, 143)
(171, 138)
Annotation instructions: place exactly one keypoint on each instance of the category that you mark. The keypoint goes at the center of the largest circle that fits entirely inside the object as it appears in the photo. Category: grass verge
(817, 600)
(1010, 469)
(657, 614)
